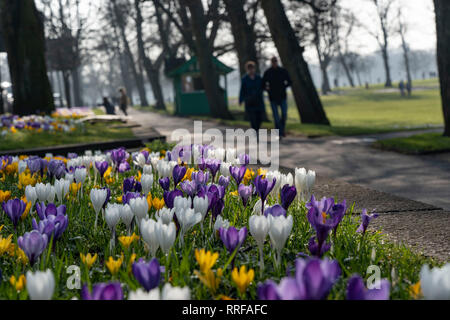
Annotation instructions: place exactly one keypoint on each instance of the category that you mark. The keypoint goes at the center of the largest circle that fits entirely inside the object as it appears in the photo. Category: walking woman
(123, 100)
(252, 95)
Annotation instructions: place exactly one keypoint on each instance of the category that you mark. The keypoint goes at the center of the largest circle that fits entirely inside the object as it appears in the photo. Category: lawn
(416, 144)
(354, 111)
(84, 134)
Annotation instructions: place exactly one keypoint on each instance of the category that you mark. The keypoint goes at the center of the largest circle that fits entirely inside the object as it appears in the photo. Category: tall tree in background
(291, 53)
(383, 8)
(442, 8)
(345, 26)
(204, 52)
(119, 16)
(23, 34)
(402, 29)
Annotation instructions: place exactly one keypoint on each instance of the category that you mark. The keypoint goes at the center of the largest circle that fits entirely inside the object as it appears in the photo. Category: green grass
(84, 134)
(355, 111)
(416, 144)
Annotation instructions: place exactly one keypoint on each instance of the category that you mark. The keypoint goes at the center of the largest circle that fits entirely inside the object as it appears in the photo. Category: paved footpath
(407, 190)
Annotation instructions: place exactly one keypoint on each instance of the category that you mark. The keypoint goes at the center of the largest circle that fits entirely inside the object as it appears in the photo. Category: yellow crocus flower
(74, 187)
(206, 259)
(416, 290)
(5, 244)
(149, 200)
(158, 203)
(262, 172)
(19, 283)
(27, 208)
(210, 279)
(5, 195)
(12, 168)
(21, 256)
(234, 193)
(126, 241)
(26, 179)
(242, 278)
(248, 176)
(88, 259)
(107, 176)
(131, 261)
(13, 129)
(188, 174)
(114, 265)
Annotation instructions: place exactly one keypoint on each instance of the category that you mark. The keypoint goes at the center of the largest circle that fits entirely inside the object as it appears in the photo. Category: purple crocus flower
(217, 208)
(33, 244)
(365, 220)
(244, 159)
(268, 291)
(213, 166)
(201, 164)
(313, 280)
(44, 211)
(130, 195)
(72, 155)
(245, 192)
(34, 165)
(165, 183)
(238, 173)
(232, 238)
(14, 208)
(101, 166)
(131, 185)
(108, 196)
(264, 186)
(103, 291)
(275, 210)
(288, 194)
(148, 274)
(357, 291)
(178, 174)
(314, 249)
(124, 167)
(56, 168)
(52, 225)
(200, 177)
(169, 197)
(224, 181)
(189, 187)
(118, 156)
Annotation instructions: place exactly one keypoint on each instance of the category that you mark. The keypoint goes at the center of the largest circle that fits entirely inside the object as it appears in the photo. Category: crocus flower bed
(146, 225)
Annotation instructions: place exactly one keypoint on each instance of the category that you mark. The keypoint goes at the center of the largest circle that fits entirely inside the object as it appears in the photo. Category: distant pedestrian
(108, 106)
(251, 94)
(401, 86)
(276, 79)
(367, 85)
(123, 101)
(408, 88)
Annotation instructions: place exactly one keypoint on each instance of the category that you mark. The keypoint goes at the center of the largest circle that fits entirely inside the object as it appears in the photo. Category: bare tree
(291, 53)
(383, 8)
(402, 30)
(23, 34)
(345, 24)
(442, 9)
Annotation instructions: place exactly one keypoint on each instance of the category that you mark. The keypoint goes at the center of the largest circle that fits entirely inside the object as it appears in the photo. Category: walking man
(123, 100)
(275, 81)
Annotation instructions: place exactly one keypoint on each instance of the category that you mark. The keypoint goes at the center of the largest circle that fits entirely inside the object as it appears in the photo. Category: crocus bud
(139, 206)
(188, 218)
(166, 235)
(147, 183)
(126, 214)
(149, 233)
(201, 205)
(43, 191)
(165, 215)
(259, 228)
(40, 285)
(280, 229)
(147, 169)
(98, 198)
(112, 215)
(30, 194)
(175, 293)
(80, 175)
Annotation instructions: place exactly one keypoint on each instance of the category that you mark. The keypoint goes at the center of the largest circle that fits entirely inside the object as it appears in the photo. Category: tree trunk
(326, 88)
(406, 60)
(66, 78)
(136, 74)
(346, 69)
(210, 77)
(126, 79)
(23, 34)
(152, 74)
(291, 53)
(442, 8)
(77, 88)
(387, 68)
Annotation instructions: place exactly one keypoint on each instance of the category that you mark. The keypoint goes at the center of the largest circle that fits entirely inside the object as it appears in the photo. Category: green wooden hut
(190, 97)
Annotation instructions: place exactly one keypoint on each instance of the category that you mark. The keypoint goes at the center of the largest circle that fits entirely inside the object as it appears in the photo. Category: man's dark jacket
(278, 80)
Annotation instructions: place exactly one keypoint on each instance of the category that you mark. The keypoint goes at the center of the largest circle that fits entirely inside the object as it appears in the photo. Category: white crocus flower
(139, 206)
(147, 183)
(187, 218)
(180, 203)
(62, 187)
(201, 205)
(175, 293)
(40, 285)
(286, 179)
(22, 166)
(147, 169)
(141, 294)
(257, 207)
(163, 168)
(43, 191)
(30, 194)
(270, 175)
(112, 217)
(139, 161)
(225, 169)
(98, 198)
(259, 228)
(304, 182)
(149, 233)
(165, 215)
(435, 283)
(166, 235)
(220, 223)
(69, 177)
(154, 161)
(80, 175)
(51, 195)
(230, 154)
(279, 231)
(127, 215)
